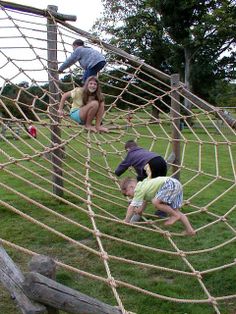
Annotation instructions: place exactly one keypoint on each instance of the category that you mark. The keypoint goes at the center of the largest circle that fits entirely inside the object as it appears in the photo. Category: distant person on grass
(165, 193)
(91, 60)
(87, 105)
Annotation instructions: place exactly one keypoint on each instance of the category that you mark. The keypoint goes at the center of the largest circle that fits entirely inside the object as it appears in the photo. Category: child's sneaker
(160, 214)
(135, 218)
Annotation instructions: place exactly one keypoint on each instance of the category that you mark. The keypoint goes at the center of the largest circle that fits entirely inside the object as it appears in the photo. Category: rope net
(143, 267)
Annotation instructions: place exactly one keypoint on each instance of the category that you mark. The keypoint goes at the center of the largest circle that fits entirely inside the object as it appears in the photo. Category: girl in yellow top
(87, 105)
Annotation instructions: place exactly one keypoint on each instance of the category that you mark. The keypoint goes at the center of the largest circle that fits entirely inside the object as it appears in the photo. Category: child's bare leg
(171, 220)
(90, 128)
(99, 116)
(90, 116)
(174, 215)
(102, 129)
(186, 223)
(88, 113)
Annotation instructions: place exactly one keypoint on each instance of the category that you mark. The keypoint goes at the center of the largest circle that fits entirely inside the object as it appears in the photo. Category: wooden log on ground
(49, 292)
(45, 266)
(12, 279)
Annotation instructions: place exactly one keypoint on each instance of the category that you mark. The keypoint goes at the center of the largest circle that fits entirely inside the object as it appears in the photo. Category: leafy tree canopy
(193, 37)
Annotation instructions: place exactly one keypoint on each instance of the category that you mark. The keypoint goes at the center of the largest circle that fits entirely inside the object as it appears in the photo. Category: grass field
(207, 176)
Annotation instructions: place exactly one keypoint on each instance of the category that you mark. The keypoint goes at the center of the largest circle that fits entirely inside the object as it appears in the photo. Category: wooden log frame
(12, 279)
(36, 294)
(56, 157)
(45, 266)
(47, 291)
(217, 111)
(175, 114)
(29, 9)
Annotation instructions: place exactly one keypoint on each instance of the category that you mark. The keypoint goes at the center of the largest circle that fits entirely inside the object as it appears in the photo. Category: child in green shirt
(165, 193)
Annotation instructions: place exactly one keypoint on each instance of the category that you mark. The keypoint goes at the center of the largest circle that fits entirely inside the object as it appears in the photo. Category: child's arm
(134, 210)
(62, 102)
(139, 210)
(72, 59)
(129, 213)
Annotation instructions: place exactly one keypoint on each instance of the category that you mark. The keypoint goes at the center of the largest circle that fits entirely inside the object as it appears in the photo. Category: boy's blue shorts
(171, 193)
(74, 114)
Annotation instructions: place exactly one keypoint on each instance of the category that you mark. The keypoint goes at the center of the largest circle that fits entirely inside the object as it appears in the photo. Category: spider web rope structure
(143, 267)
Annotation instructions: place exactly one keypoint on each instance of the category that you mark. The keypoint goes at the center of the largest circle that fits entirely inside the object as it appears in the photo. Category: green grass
(106, 199)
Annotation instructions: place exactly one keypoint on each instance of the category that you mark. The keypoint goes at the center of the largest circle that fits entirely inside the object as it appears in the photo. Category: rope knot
(97, 233)
(89, 203)
(212, 300)
(91, 213)
(198, 274)
(104, 255)
(186, 202)
(27, 157)
(223, 218)
(182, 253)
(112, 282)
(167, 234)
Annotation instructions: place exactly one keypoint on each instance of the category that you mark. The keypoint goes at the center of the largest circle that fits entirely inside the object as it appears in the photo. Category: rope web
(82, 227)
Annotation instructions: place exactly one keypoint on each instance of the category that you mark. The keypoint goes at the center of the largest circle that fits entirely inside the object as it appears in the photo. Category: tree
(22, 98)
(204, 29)
(194, 36)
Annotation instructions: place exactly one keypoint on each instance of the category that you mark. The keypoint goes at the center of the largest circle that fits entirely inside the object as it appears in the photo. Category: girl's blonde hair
(97, 94)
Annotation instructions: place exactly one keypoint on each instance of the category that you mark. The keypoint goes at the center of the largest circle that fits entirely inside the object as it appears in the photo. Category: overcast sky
(86, 10)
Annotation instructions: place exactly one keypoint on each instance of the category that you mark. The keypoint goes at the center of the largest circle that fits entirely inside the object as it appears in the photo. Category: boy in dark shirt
(146, 164)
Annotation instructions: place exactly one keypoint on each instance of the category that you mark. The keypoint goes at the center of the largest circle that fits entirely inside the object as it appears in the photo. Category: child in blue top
(165, 193)
(91, 60)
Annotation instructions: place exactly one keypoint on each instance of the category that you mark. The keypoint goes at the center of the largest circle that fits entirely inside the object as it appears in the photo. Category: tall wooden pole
(175, 115)
(54, 103)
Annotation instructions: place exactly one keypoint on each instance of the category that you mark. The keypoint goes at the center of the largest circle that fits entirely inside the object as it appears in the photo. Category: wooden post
(54, 102)
(12, 279)
(175, 115)
(45, 266)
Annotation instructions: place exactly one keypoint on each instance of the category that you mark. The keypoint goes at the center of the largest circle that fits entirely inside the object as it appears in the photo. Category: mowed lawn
(29, 215)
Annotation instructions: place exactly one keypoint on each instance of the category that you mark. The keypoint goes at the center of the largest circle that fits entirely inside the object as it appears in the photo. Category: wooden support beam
(29, 9)
(57, 177)
(56, 295)
(12, 279)
(175, 115)
(217, 111)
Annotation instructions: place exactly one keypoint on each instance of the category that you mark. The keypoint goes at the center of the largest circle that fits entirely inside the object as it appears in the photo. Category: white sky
(86, 10)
